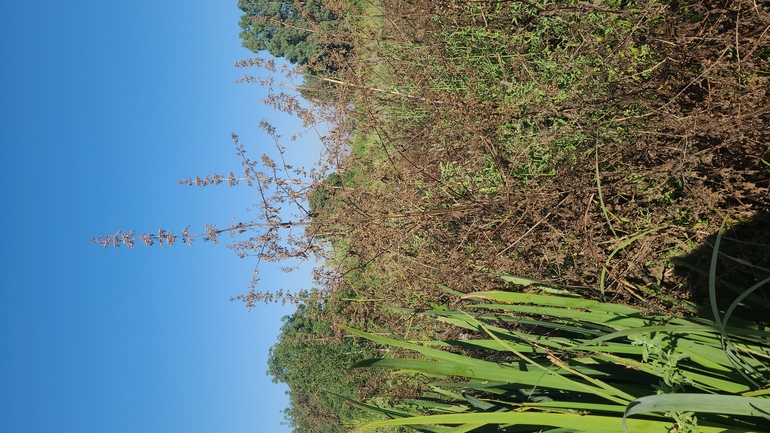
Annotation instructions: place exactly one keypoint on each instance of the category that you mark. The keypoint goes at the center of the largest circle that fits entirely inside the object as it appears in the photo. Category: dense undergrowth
(610, 159)
(594, 148)
(536, 139)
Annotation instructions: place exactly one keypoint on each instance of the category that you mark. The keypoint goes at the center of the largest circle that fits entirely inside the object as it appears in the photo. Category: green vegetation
(612, 155)
(297, 31)
(307, 359)
(591, 367)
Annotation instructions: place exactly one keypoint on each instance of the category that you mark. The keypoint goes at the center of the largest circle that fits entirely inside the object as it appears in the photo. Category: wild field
(535, 216)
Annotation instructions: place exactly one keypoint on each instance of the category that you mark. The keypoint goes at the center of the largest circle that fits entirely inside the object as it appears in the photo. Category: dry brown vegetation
(539, 139)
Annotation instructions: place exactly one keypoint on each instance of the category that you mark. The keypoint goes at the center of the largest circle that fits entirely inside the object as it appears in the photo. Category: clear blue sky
(104, 106)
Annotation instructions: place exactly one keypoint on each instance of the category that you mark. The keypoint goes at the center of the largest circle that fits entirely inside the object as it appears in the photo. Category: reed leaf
(573, 422)
(719, 404)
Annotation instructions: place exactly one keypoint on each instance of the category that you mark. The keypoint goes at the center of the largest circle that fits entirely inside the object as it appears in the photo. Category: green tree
(313, 363)
(298, 30)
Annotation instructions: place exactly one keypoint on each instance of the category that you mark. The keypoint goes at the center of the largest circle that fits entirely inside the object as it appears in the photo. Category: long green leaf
(598, 317)
(600, 388)
(681, 329)
(719, 404)
(590, 423)
(743, 296)
(713, 281)
(487, 371)
(553, 301)
(585, 328)
(427, 351)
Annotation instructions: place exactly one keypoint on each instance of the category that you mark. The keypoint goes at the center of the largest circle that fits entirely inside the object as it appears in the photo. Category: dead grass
(541, 148)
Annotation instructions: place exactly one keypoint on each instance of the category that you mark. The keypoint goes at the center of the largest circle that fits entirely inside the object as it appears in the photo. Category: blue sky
(104, 106)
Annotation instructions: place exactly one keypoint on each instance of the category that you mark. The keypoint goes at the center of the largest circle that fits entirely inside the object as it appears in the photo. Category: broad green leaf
(552, 301)
(586, 423)
(704, 403)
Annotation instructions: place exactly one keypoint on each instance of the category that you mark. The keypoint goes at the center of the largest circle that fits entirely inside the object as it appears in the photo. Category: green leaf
(592, 424)
(553, 301)
(719, 404)
(486, 371)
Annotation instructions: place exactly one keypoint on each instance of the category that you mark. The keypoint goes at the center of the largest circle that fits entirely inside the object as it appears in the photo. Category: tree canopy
(313, 364)
(287, 28)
